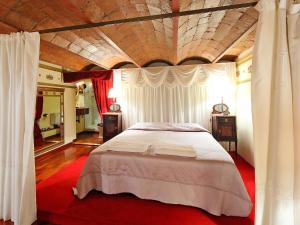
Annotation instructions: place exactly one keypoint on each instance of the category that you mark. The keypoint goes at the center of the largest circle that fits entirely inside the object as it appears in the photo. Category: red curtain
(101, 89)
(72, 77)
(38, 138)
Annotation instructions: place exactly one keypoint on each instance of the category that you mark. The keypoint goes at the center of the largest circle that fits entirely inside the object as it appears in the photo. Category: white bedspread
(207, 179)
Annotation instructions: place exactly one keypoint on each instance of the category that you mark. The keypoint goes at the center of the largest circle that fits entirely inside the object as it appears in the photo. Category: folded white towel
(123, 146)
(173, 150)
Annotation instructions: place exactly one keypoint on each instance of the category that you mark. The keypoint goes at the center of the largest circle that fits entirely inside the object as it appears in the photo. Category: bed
(171, 163)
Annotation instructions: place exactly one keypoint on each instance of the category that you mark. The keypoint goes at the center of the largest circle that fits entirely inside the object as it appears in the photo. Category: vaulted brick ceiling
(173, 39)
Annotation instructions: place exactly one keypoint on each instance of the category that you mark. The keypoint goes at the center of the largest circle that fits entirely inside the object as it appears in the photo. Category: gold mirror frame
(221, 108)
(59, 92)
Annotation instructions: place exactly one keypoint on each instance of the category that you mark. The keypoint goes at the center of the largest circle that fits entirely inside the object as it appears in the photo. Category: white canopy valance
(172, 76)
(175, 93)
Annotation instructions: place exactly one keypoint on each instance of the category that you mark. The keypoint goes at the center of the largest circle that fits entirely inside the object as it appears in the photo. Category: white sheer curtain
(276, 113)
(19, 57)
(176, 94)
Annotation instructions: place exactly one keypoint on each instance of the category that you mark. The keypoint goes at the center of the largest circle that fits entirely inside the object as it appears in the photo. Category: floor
(6, 223)
(88, 138)
(63, 206)
(49, 163)
(48, 142)
(36, 223)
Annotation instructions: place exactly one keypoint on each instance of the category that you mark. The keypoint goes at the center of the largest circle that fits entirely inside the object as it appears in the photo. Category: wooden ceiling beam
(147, 18)
(235, 42)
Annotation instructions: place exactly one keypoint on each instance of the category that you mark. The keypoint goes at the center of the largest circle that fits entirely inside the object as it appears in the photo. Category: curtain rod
(147, 18)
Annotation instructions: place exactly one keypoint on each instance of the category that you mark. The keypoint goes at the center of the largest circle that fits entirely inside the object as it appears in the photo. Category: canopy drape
(176, 94)
(276, 113)
(71, 77)
(19, 59)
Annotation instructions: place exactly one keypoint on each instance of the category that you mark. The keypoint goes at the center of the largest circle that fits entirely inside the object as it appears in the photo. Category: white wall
(243, 110)
(49, 77)
(46, 74)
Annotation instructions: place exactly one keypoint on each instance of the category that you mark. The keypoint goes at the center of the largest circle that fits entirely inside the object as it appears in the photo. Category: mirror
(48, 126)
(114, 107)
(221, 109)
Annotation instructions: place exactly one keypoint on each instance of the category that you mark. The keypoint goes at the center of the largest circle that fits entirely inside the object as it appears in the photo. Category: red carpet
(57, 205)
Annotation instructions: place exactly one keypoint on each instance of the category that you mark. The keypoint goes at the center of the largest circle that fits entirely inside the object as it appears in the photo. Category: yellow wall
(80, 125)
(243, 109)
(46, 74)
(51, 104)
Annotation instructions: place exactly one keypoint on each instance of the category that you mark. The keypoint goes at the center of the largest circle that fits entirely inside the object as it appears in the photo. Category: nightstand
(112, 125)
(224, 129)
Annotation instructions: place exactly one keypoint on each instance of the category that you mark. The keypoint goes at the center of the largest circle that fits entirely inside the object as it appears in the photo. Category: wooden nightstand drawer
(224, 129)
(226, 119)
(110, 118)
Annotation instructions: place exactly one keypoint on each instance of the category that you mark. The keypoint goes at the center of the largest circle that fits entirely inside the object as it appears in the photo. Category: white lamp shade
(112, 93)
